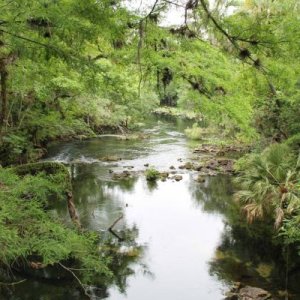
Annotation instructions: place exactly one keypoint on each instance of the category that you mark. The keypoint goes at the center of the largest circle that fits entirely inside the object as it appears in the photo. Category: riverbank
(164, 229)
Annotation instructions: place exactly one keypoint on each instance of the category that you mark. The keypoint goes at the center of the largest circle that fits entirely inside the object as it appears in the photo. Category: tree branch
(78, 280)
(13, 283)
(33, 41)
(232, 40)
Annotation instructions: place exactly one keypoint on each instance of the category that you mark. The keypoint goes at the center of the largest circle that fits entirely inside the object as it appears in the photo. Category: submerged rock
(124, 175)
(200, 178)
(110, 158)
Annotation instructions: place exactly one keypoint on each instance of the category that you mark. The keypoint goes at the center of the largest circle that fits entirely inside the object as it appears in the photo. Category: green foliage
(269, 185)
(62, 83)
(194, 133)
(104, 66)
(152, 174)
(28, 233)
(293, 142)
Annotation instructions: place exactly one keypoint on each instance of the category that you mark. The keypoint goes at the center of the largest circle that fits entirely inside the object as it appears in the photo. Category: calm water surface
(178, 236)
(180, 227)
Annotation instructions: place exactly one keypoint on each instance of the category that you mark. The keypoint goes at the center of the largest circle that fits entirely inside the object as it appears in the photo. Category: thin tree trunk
(3, 95)
(72, 209)
(4, 63)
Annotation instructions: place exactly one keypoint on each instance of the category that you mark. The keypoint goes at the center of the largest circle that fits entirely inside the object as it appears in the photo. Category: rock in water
(248, 293)
(177, 177)
(253, 293)
(110, 158)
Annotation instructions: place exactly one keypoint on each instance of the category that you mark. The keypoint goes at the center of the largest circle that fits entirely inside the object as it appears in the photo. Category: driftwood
(83, 286)
(110, 228)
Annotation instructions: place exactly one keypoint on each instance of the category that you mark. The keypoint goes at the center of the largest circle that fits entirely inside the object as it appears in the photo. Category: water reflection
(245, 253)
(214, 195)
(177, 240)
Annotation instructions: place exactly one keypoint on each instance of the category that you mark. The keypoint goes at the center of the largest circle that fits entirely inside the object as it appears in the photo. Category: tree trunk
(4, 76)
(4, 63)
(72, 210)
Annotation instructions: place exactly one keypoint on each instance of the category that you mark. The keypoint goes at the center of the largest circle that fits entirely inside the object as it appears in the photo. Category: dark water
(184, 245)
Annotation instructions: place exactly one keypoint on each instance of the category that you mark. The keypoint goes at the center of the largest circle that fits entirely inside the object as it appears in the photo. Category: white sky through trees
(175, 14)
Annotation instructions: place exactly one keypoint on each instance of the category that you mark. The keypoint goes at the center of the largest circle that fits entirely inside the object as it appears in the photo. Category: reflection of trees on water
(97, 198)
(152, 185)
(125, 185)
(245, 253)
(99, 201)
(239, 258)
(214, 195)
(126, 258)
(246, 256)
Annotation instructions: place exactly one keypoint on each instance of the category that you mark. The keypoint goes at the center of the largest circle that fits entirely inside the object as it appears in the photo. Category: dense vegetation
(235, 63)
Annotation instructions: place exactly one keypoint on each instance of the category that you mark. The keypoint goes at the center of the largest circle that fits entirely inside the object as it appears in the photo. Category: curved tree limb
(233, 41)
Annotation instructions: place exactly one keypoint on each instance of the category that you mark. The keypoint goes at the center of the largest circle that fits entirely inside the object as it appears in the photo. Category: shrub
(30, 235)
(152, 174)
(269, 184)
(194, 133)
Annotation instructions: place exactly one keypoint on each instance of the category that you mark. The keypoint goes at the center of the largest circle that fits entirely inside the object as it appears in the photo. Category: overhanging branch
(247, 54)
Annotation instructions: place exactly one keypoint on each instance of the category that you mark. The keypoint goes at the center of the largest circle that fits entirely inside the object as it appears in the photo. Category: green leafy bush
(152, 174)
(269, 184)
(194, 133)
(29, 234)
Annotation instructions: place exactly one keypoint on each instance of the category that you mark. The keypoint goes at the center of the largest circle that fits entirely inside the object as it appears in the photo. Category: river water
(186, 249)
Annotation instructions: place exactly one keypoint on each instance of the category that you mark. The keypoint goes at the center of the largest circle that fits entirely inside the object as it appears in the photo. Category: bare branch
(78, 280)
(13, 283)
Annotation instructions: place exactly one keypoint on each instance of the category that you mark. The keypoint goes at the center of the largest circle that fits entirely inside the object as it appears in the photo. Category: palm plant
(269, 184)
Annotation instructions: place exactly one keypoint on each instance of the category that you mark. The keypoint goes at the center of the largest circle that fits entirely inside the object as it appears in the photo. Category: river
(186, 249)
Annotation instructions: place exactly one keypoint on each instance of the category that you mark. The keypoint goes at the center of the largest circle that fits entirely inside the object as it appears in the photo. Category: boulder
(254, 293)
(247, 293)
(177, 177)
(164, 175)
(187, 166)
